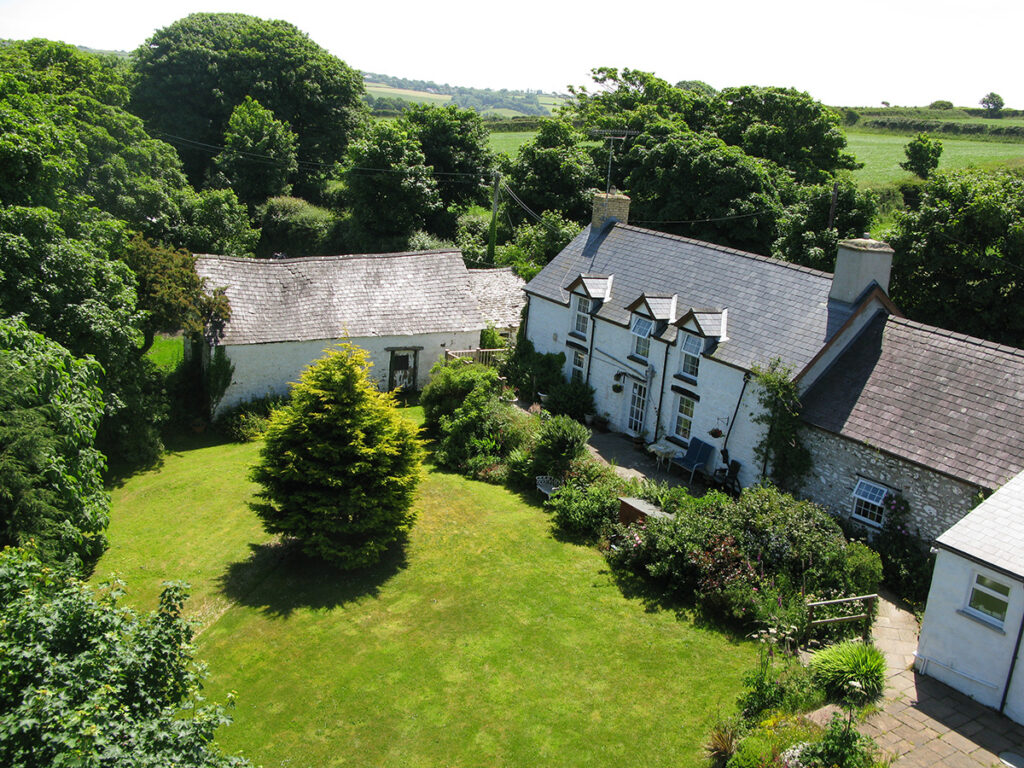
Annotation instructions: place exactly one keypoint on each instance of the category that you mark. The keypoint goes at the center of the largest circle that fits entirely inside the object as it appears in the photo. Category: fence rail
(492, 357)
(868, 601)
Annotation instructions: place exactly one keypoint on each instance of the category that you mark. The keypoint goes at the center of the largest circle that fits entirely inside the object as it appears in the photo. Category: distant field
(420, 97)
(883, 153)
(509, 143)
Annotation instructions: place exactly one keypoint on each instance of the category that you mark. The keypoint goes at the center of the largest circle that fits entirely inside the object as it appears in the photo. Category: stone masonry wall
(936, 501)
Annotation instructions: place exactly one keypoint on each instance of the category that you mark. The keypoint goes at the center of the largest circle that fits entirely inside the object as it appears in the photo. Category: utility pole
(494, 218)
(832, 209)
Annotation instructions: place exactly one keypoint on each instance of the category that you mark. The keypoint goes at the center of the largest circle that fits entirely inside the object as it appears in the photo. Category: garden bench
(547, 485)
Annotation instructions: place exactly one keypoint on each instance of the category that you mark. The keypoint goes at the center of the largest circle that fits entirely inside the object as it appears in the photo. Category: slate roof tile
(332, 297)
(941, 399)
(994, 531)
(776, 309)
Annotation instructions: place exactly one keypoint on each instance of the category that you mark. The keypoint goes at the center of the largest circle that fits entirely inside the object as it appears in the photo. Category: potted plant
(601, 421)
(616, 388)
(715, 432)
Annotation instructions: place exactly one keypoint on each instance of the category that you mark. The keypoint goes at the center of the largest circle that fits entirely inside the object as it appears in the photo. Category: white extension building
(405, 309)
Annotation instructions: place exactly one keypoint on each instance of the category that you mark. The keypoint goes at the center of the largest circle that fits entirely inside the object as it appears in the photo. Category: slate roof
(776, 309)
(994, 531)
(332, 297)
(499, 292)
(941, 399)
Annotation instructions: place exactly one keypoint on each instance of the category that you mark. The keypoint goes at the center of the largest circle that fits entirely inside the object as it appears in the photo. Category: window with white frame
(641, 330)
(989, 599)
(581, 320)
(579, 365)
(867, 502)
(684, 417)
(692, 346)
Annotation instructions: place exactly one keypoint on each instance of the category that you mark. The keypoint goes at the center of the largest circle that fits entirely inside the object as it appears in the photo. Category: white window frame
(691, 347)
(868, 497)
(641, 328)
(683, 417)
(581, 317)
(579, 365)
(991, 588)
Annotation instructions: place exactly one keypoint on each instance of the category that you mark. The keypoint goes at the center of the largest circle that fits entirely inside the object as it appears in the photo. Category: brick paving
(924, 723)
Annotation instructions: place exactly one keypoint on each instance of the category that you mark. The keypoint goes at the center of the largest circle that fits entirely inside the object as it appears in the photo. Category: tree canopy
(87, 682)
(959, 260)
(51, 488)
(191, 75)
(923, 155)
(339, 465)
(993, 103)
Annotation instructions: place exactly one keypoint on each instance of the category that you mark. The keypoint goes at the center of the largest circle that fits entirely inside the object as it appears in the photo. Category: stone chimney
(860, 262)
(607, 206)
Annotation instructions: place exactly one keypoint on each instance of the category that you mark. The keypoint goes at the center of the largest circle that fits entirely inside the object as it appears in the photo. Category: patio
(621, 452)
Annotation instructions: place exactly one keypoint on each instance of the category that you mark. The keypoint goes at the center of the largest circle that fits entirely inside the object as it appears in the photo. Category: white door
(637, 407)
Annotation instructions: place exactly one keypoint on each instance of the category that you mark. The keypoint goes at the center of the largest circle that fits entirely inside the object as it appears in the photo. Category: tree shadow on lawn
(278, 578)
(657, 597)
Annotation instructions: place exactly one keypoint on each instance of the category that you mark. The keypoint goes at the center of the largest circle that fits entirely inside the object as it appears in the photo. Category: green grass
(166, 352)
(882, 154)
(420, 97)
(485, 641)
(508, 143)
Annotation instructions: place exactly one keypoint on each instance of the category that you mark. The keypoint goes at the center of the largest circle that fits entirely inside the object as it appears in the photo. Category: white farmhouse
(667, 330)
(405, 309)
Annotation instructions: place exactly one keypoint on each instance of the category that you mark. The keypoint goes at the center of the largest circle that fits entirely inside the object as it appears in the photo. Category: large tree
(553, 172)
(455, 143)
(388, 186)
(339, 465)
(695, 185)
(87, 682)
(74, 292)
(787, 127)
(259, 155)
(959, 259)
(192, 74)
(51, 485)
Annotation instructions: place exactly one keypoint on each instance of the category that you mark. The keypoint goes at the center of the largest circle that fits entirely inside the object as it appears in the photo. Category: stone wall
(936, 501)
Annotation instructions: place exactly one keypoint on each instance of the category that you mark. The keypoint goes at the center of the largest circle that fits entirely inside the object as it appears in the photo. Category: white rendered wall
(264, 369)
(718, 385)
(967, 653)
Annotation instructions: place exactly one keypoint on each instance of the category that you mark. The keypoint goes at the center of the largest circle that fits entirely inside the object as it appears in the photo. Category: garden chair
(547, 485)
(696, 457)
(728, 479)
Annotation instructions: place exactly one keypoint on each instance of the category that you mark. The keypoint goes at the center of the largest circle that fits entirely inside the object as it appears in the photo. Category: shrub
(838, 665)
(863, 569)
(574, 399)
(450, 383)
(722, 742)
(906, 560)
(561, 440)
(531, 372)
(248, 421)
(841, 746)
(340, 465)
(753, 752)
(584, 511)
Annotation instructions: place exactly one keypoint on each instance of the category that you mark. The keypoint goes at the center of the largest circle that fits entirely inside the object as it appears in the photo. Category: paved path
(925, 723)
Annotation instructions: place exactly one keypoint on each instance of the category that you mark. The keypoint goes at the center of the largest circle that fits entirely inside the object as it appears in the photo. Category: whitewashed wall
(967, 653)
(719, 386)
(264, 369)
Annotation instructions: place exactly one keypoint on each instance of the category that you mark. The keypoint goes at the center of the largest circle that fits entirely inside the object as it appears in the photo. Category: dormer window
(641, 330)
(581, 321)
(692, 347)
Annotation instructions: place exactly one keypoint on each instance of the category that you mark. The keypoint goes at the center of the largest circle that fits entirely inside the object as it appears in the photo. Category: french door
(637, 408)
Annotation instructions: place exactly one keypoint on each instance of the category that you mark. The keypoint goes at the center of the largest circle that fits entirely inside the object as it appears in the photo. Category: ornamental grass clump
(837, 666)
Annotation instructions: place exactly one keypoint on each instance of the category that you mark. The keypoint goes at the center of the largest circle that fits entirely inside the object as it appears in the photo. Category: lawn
(882, 154)
(166, 351)
(484, 641)
(509, 142)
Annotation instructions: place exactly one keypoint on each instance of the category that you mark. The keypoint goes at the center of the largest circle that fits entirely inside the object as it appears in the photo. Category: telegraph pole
(494, 218)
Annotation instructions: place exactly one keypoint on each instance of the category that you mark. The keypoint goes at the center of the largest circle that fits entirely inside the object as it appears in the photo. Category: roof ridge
(955, 335)
(333, 257)
(726, 249)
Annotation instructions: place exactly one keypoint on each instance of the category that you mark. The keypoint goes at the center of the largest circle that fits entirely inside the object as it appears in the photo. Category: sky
(906, 52)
